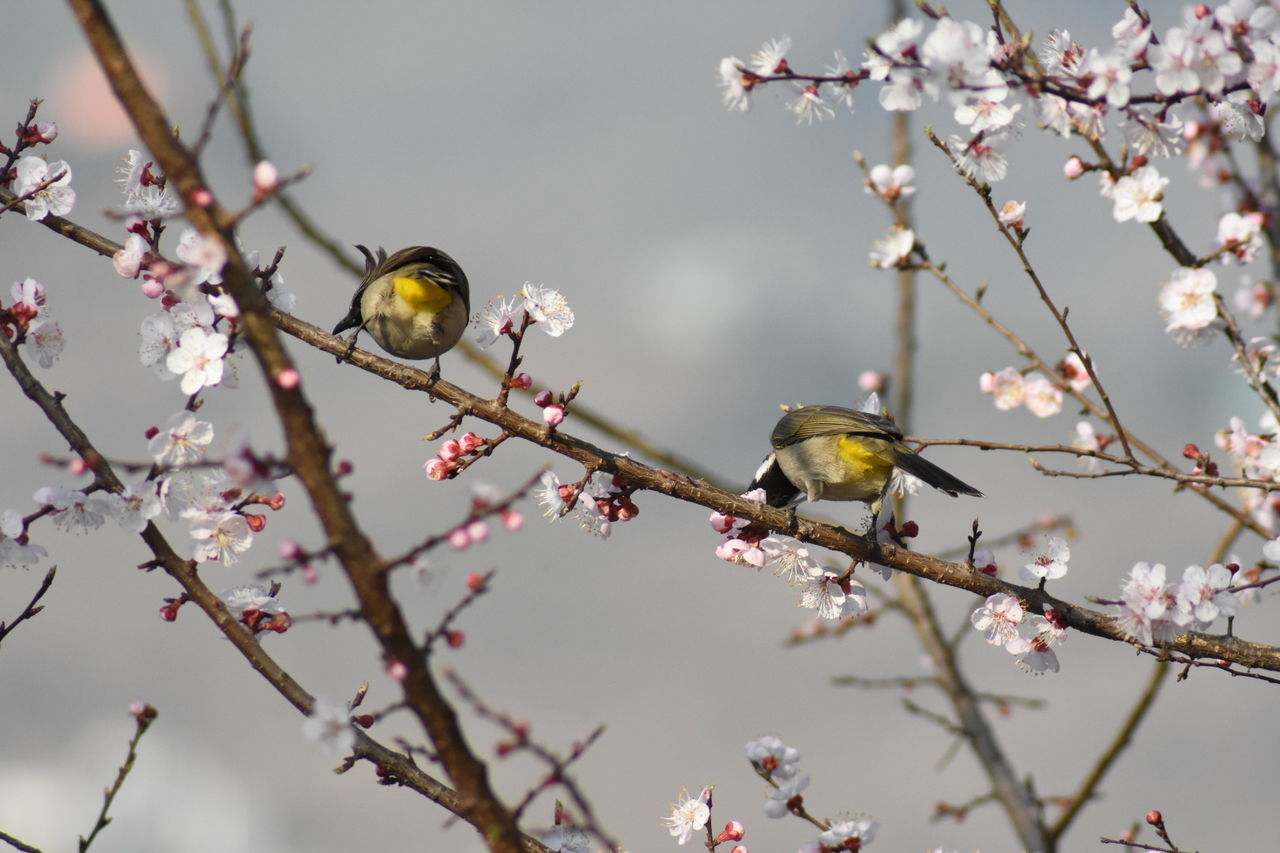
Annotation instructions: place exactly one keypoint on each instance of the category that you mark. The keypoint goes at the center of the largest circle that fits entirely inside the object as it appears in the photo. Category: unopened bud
(266, 177)
(733, 831)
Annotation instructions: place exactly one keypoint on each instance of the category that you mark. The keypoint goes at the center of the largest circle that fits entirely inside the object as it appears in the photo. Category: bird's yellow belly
(416, 327)
(863, 468)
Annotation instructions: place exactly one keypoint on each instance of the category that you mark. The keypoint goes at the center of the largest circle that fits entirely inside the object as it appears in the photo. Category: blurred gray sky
(717, 266)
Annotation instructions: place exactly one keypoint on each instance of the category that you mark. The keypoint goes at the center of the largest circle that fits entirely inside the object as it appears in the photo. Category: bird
(838, 454)
(416, 303)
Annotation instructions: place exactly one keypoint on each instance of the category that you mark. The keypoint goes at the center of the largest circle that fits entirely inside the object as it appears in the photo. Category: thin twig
(33, 607)
(143, 719)
(1106, 760)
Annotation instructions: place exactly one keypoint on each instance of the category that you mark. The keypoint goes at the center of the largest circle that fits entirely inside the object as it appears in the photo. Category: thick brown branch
(308, 454)
(959, 575)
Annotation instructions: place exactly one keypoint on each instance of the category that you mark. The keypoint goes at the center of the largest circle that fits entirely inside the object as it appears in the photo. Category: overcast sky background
(717, 264)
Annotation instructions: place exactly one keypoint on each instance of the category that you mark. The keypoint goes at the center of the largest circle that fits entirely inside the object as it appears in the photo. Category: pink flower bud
(396, 670)
(871, 380)
(478, 531)
(733, 831)
(266, 177)
(437, 469)
(288, 378)
(542, 398)
(459, 538)
(450, 450)
(470, 442)
(553, 415)
(1074, 168)
(512, 519)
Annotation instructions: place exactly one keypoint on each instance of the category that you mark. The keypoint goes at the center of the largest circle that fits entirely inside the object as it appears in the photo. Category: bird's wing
(814, 421)
(444, 271)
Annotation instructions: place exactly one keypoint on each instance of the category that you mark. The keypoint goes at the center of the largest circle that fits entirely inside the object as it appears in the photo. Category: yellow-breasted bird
(838, 454)
(416, 303)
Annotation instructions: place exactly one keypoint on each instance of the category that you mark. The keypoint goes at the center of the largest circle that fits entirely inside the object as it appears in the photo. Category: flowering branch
(556, 776)
(1059, 316)
(1034, 360)
(837, 539)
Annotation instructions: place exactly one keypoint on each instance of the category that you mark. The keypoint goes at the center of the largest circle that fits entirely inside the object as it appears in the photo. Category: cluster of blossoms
(1042, 396)
(1029, 637)
(1257, 457)
(604, 499)
(44, 187)
(535, 303)
(892, 184)
(211, 498)
(484, 501)
(1011, 389)
(442, 465)
(1228, 55)
(182, 339)
(832, 594)
(1188, 300)
(1004, 621)
(27, 321)
(780, 765)
(553, 406)
(1209, 77)
(1152, 610)
(738, 79)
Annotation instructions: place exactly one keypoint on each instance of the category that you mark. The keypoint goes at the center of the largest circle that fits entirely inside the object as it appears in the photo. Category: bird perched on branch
(838, 454)
(416, 303)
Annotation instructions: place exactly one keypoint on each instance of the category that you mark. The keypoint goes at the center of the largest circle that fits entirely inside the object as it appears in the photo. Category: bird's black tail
(350, 321)
(918, 466)
(778, 490)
